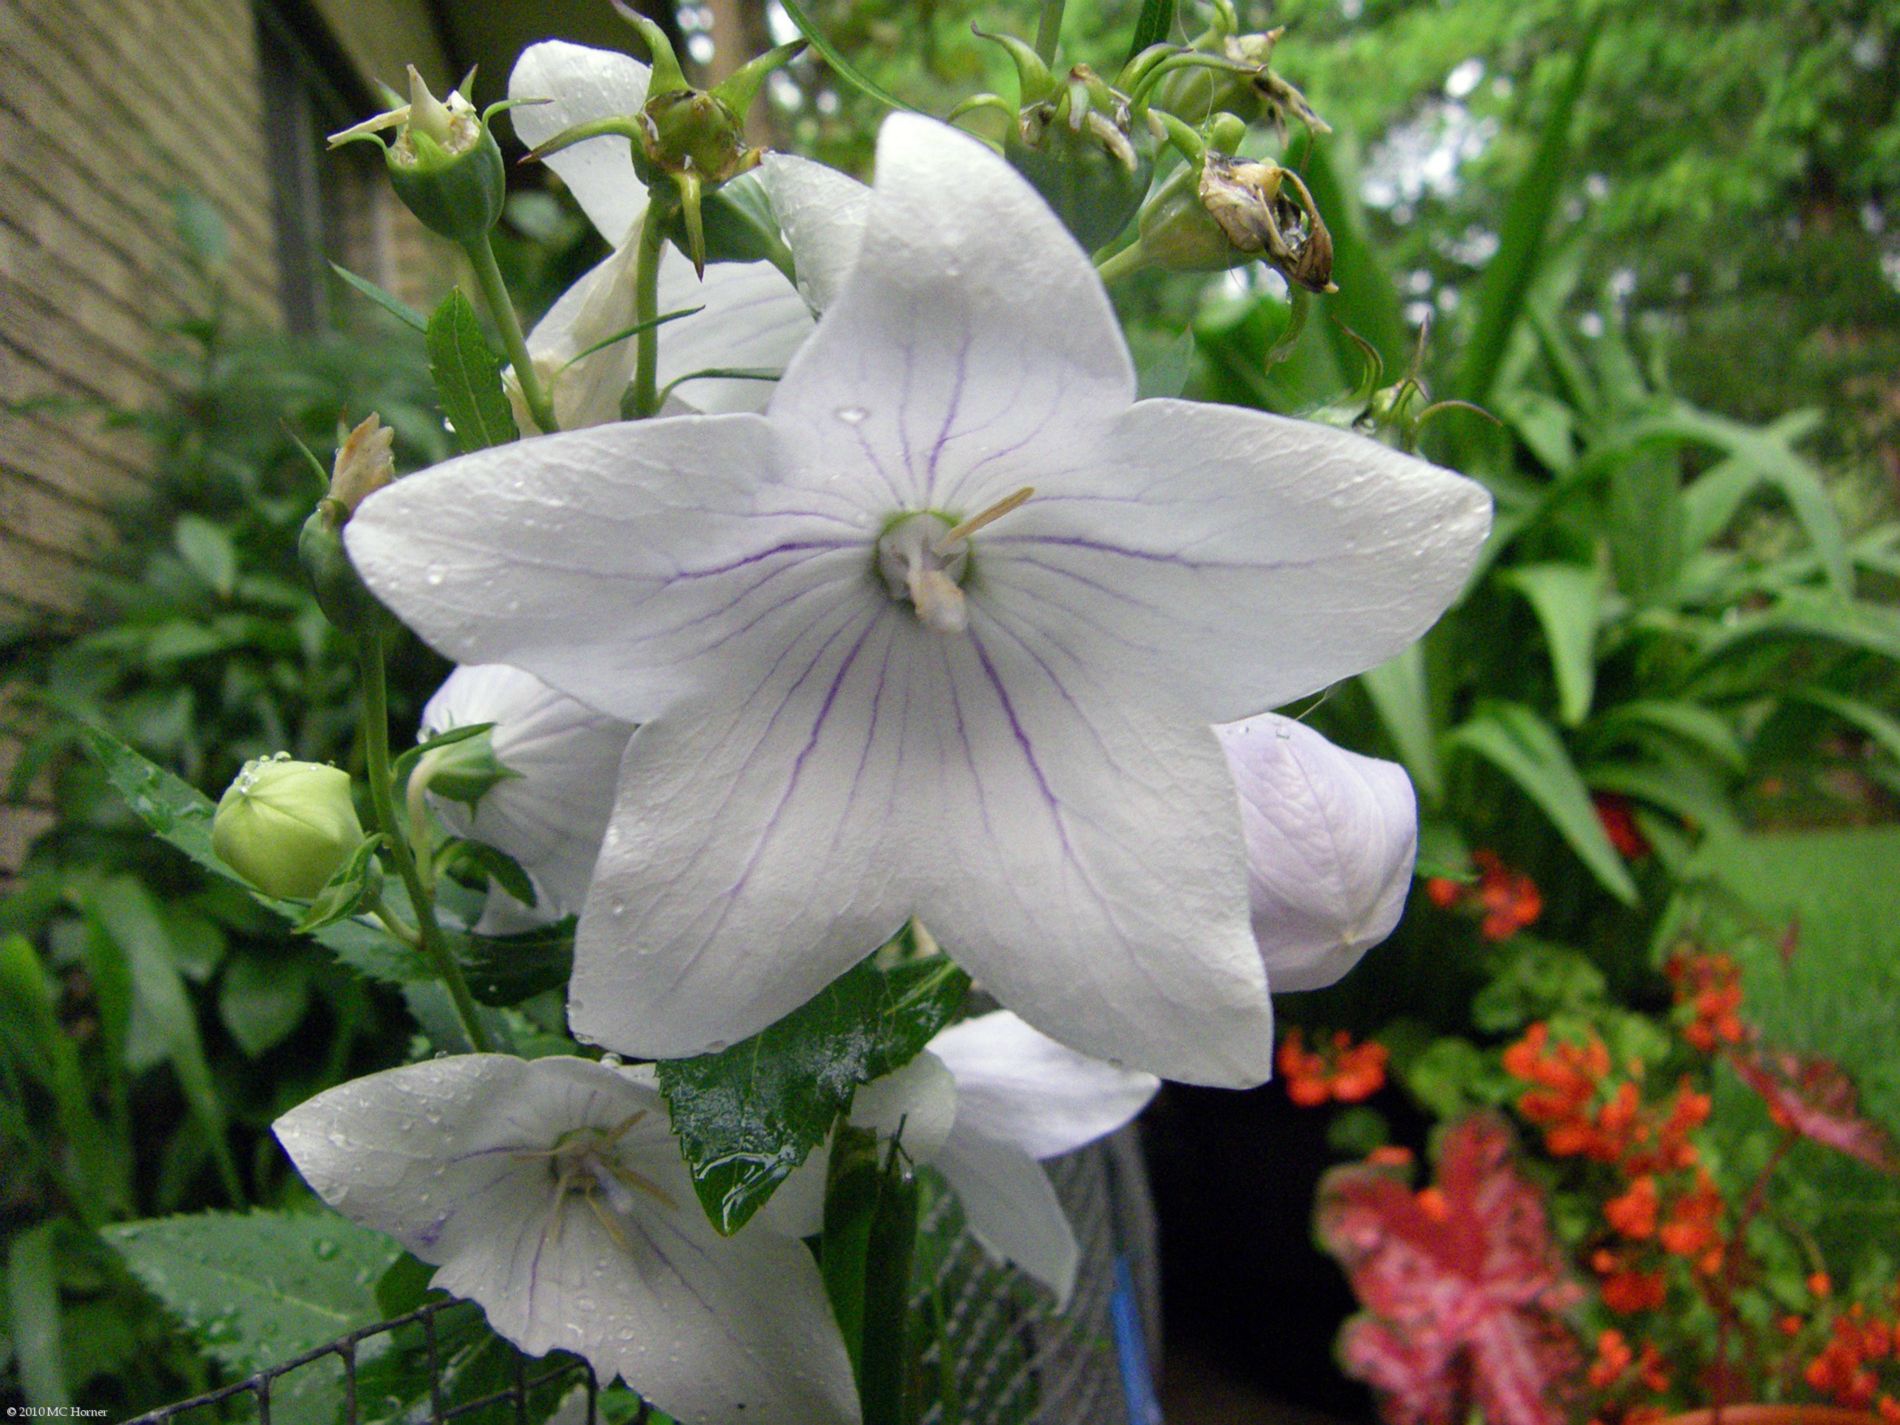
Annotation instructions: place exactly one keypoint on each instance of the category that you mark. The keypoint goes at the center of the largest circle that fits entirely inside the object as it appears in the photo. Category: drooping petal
(971, 335)
(1012, 1208)
(1237, 558)
(751, 320)
(552, 814)
(453, 1158)
(621, 564)
(822, 213)
(1331, 838)
(582, 85)
(1080, 857)
(1016, 1085)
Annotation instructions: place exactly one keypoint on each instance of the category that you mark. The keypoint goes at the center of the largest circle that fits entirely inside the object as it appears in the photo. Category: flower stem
(645, 396)
(1118, 265)
(369, 657)
(1049, 30)
(481, 254)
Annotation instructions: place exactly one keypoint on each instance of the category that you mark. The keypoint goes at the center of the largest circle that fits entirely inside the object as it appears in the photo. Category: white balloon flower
(551, 1192)
(1331, 838)
(551, 815)
(984, 1103)
(752, 318)
(941, 633)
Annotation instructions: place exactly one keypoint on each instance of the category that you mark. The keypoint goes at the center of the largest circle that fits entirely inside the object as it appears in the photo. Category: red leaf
(1813, 1097)
(1463, 1286)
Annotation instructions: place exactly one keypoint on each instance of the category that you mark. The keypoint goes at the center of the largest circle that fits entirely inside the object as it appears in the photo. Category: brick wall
(106, 107)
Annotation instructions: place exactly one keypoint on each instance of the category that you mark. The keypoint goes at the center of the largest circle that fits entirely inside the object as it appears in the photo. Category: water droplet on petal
(851, 415)
(324, 1248)
(434, 576)
(617, 906)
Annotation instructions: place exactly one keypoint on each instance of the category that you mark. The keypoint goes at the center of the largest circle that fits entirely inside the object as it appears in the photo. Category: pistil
(925, 562)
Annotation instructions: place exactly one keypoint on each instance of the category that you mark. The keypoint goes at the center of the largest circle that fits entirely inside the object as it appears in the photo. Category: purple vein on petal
(949, 416)
(1022, 741)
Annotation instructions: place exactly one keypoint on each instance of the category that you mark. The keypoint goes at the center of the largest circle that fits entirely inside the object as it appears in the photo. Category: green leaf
(354, 885)
(631, 331)
(1566, 599)
(256, 1289)
(262, 1000)
(1164, 368)
(390, 303)
(121, 913)
(737, 224)
(1645, 523)
(1882, 727)
(748, 1116)
(1152, 26)
(498, 866)
(1368, 300)
(33, 1317)
(1683, 722)
(1806, 614)
(406, 763)
(208, 549)
(1528, 750)
(841, 66)
(1537, 981)
(1507, 279)
(467, 376)
(1401, 696)
(506, 969)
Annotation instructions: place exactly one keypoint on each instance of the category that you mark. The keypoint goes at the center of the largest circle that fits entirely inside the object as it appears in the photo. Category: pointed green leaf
(841, 66)
(34, 1319)
(1528, 750)
(749, 1115)
(394, 305)
(1368, 299)
(348, 891)
(1507, 279)
(1882, 727)
(1402, 698)
(1566, 598)
(467, 376)
(506, 969)
(1684, 722)
(1152, 26)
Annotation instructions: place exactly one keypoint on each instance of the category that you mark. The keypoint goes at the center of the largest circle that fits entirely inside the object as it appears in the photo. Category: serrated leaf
(467, 376)
(1566, 599)
(841, 66)
(749, 1115)
(346, 892)
(1528, 750)
(256, 1289)
(390, 303)
(506, 969)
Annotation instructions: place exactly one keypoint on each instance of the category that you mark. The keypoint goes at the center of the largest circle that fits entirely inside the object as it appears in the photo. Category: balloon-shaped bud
(285, 826)
(1079, 149)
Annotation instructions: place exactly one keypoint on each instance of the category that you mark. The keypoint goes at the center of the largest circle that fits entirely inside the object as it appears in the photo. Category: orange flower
(1505, 900)
(1710, 987)
(1628, 1291)
(1821, 1285)
(1343, 1072)
(1619, 824)
(1693, 1228)
(1390, 1155)
(1634, 1213)
(1613, 1358)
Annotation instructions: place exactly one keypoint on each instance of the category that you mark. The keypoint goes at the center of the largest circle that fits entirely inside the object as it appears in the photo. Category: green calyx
(341, 593)
(688, 140)
(444, 162)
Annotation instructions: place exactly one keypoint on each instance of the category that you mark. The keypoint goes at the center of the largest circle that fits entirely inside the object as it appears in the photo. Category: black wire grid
(1013, 1360)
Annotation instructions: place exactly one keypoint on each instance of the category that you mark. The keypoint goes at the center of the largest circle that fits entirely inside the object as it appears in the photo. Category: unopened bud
(1255, 93)
(286, 827)
(1078, 150)
(341, 593)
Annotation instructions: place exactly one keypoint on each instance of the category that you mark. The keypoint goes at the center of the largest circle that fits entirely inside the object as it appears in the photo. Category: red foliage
(1811, 1096)
(1463, 1286)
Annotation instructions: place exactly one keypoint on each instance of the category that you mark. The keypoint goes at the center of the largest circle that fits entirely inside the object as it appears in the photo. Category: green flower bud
(1078, 150)
(341, 593)
(444, 163)
(286, 827)
(1252, 91)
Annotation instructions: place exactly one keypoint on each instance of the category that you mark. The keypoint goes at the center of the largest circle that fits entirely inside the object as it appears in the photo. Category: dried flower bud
(1250, 201)
(286, 827)
(364, 464)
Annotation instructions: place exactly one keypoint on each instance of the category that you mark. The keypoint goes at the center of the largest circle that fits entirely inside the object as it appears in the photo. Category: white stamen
(914, 567)
(989, 516)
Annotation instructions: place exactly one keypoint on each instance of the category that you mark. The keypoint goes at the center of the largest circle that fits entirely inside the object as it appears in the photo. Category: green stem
(645, 396)
(1118, 265)
(1049, 30)
(481, 253)
(369, 657)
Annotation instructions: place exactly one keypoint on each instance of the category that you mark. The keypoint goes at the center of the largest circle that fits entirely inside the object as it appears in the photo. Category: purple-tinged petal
(624, 565)
(1238, 559)
(971, 337)
(1331, 838)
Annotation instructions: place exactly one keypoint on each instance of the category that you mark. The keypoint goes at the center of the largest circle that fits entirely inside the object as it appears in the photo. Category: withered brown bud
(1266, 210)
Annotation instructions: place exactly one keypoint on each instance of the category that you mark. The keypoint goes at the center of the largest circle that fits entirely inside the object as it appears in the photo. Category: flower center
(924, 559)
(583, 1162)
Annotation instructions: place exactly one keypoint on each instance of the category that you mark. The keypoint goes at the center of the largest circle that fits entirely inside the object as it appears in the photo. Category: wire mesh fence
(995, 1351)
